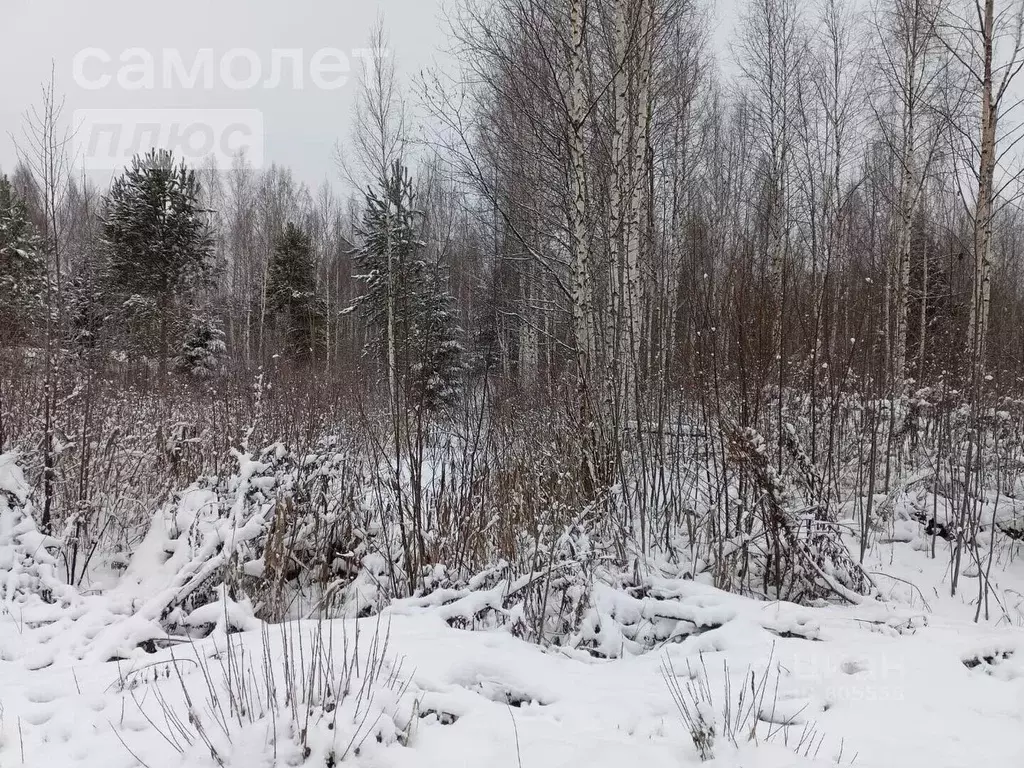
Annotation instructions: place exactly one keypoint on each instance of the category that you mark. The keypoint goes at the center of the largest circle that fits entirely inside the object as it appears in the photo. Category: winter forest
(639, 400)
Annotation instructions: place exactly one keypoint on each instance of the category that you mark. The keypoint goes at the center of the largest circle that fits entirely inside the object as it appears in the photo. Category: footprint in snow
(853, 666)
(42, 695)
(133, 724)
(38, 715)
(79, 753)
(97, 704)
(40, 659)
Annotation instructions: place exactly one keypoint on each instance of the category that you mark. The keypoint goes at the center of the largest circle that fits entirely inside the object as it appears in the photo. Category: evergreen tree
(22, 268)
(84, 298)
(292, 297)
(158, 247)
(405, 299)
(203, 348)
(437, 354)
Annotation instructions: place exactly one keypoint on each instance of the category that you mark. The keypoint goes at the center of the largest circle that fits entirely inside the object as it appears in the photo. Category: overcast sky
(301, 125)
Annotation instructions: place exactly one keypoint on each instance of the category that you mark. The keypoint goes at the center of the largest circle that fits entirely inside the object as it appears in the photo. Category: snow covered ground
(910, 682)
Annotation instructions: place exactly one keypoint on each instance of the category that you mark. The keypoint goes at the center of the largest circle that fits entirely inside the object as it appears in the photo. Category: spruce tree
(203, 348)
(405, 300)
(22, 268)
(292, 296)
(158, 248)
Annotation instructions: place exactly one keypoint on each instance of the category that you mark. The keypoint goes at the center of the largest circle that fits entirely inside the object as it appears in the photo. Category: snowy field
(910, 682)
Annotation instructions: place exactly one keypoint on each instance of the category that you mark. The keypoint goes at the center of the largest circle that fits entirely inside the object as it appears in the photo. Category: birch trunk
(633, 288)
(619, 177)
(582, 283)
(902, 272)
(981, 297)
(596, 464)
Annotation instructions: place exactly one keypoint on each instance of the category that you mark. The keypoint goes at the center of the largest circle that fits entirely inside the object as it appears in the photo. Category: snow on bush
(228, 550)
(28, 572)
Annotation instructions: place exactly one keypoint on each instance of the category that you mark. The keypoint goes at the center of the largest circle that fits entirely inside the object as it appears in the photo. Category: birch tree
(379, 132)
(911, 65)
(771, 52)
(986, 37)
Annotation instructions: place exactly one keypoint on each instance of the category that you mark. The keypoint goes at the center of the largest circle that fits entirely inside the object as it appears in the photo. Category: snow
(904, 700)
(877, 684)
(93, 679)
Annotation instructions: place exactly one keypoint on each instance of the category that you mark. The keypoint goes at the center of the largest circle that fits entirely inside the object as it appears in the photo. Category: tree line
(595, 207)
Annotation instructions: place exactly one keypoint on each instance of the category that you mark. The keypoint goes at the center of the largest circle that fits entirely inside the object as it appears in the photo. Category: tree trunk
(978, 327)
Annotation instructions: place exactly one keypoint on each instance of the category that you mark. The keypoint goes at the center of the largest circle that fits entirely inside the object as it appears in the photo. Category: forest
(604, 311)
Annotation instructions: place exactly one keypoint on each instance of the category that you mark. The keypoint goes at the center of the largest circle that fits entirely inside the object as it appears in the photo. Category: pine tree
(406, 300)
(22, 268)
(158, 246)
(292, 296)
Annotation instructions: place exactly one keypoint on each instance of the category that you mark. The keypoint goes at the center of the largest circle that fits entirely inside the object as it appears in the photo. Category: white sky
(301, 126)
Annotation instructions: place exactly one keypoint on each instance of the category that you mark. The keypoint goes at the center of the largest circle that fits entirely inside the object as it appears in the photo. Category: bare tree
(911, 64)
(45, 151)
(986, 37)
(771, 54)
(380, 131)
